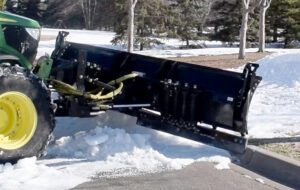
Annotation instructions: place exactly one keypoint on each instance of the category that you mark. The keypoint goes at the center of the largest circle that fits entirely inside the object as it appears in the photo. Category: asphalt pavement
(200, 175)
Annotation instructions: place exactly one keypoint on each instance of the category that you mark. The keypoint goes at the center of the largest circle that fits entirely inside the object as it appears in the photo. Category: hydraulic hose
(65, 88)
(106, 96)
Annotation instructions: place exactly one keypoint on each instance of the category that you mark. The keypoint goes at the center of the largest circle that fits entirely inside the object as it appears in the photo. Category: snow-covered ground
(112, 145)
(169, 49)
(275, 108)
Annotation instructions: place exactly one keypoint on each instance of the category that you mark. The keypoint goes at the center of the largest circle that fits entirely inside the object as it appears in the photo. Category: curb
(271, 165)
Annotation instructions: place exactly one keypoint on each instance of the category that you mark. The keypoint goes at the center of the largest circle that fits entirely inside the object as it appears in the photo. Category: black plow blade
(175, 97)
(233, 143)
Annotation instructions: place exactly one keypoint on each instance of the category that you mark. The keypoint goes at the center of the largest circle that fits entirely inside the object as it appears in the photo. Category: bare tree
(89, 10)
(244, 28)
(131, 7)
(263, 6)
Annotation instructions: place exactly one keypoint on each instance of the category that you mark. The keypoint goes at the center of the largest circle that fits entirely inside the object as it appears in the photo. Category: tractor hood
(12, 19)
(19, 36)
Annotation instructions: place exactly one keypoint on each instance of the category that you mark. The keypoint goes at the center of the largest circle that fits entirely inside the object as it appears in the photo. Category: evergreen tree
(292, 29)
(34, 9)
(226, 17)
(191, 18)
(226, 20)
(110, 14)
(149, 18)
(284, 15)
(149, 22)
(64, 14)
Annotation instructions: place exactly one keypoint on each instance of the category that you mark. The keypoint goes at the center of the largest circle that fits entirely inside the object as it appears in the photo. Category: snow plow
(200, 103)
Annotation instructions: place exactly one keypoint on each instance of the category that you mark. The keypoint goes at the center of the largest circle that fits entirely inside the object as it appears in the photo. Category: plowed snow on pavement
(275, 108)
(112, 145)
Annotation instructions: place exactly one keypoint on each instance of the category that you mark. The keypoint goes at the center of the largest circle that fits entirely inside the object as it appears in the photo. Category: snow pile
(127, 145)
(90, 150)
(275, 108)
(28, 175)
(98, 143)
(133, 150)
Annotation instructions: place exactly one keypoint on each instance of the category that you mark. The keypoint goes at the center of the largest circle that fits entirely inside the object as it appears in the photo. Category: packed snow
(112, 145)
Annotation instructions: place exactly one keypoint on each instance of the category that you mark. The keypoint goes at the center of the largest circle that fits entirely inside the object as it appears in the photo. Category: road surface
(200, 175)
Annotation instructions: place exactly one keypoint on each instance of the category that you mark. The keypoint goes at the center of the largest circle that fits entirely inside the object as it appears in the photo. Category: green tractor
(175, 97)
(26, 117)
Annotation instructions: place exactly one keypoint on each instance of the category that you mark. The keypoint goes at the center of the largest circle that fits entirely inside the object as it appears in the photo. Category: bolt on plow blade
(175, 97)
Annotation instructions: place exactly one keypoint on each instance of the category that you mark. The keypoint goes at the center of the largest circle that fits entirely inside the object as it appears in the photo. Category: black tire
(15, 78)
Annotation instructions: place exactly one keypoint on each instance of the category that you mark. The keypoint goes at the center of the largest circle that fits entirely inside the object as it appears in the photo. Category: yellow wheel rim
(18, 120)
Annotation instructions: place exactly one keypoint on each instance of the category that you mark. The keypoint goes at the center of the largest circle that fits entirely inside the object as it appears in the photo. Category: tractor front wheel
(26, 117)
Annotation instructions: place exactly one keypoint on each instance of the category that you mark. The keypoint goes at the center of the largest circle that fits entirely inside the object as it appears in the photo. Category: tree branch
(134, 3)
(83, 9)
(244, 3)
(268, 3)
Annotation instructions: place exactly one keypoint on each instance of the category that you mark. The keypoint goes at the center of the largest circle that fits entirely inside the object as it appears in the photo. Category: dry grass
(291, 150)
(222, 61)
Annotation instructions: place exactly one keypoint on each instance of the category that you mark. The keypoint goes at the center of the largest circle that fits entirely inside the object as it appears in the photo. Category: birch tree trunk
(264, 5)
(130, 31)
(244, 28)
(89, 10)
